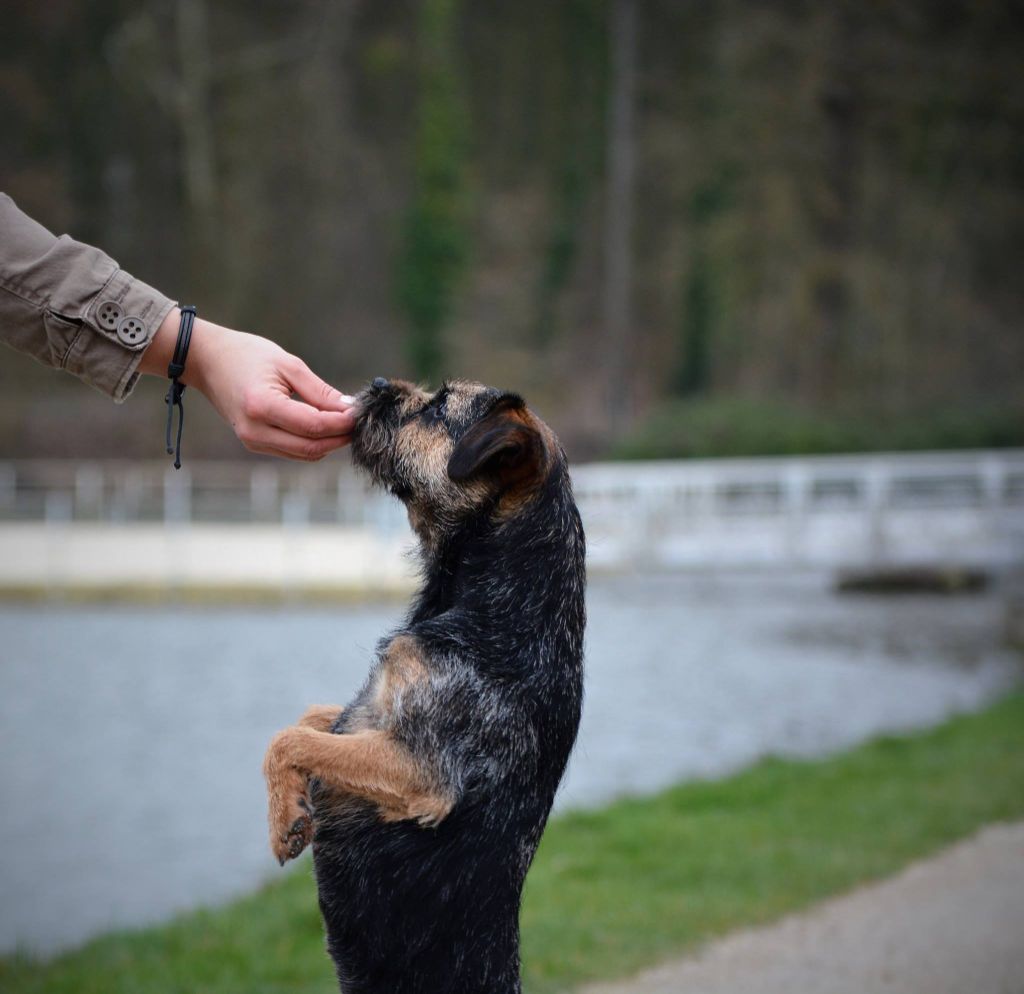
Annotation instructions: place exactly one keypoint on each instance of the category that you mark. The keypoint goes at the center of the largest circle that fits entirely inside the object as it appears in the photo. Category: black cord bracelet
(175, 370)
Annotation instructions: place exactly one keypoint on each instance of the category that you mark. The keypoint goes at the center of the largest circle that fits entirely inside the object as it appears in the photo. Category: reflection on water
(133, 738)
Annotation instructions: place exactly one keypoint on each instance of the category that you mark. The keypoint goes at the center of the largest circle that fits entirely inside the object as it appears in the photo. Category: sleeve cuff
(119, 325)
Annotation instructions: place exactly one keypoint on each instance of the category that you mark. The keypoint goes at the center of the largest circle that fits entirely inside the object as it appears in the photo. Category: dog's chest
(400, 674)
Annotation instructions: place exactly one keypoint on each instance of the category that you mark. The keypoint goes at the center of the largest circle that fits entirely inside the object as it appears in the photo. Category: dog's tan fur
(368, 764)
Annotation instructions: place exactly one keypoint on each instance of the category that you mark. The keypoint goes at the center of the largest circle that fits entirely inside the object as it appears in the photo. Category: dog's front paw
(291, 822)
(289, 812)
(320, 717)
(428, 810)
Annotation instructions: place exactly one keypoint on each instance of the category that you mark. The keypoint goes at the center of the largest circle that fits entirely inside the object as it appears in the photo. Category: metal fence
(209, 492)
(824, 510)
(828, 510)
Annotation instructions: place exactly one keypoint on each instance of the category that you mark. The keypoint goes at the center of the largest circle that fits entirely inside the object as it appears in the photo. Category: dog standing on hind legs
(425, 797)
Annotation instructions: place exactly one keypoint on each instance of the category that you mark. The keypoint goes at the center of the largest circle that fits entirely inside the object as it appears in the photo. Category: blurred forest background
(677, 228)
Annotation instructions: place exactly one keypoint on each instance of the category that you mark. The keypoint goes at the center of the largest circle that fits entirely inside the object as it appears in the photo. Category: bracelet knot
(176, 369)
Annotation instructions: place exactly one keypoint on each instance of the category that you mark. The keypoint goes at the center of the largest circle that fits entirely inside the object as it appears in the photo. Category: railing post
(295, 509)
(264, 484)
(993, 488)
(8, 487)
(876, 485)
(125, 495)
(57, 507)
(648, 507)
(177, 496)
(343, 508)
(88, 491)
(795, 480)
(993, 480)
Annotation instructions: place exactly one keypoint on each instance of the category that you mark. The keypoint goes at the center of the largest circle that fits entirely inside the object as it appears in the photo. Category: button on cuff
(127, 312)
(109, 314)
(130, 330)
(124, 315)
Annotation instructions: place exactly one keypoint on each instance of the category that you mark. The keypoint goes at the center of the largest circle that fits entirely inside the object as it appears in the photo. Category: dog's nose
(380, 383)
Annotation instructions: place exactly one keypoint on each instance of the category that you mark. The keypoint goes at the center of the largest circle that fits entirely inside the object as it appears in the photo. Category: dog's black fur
(498, 625)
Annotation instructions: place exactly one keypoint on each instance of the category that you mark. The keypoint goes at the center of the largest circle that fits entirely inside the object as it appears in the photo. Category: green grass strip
(617, 889)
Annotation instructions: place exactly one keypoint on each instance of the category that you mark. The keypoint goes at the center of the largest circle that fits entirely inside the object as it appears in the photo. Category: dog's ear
(505, 444)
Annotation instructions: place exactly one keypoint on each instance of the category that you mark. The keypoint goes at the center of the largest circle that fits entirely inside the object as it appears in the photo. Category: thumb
(315, 391)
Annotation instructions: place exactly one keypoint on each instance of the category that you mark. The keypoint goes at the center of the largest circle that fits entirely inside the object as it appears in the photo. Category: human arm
(70, 306)
(250, 381)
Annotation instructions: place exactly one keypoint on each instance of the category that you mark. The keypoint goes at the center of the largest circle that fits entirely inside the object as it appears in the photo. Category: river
(132, 737)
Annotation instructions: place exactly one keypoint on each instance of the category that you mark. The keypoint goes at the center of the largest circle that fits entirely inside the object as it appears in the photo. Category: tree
(435, 245)
(618, 240)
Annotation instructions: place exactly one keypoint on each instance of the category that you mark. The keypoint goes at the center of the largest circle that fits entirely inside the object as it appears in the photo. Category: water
(132, 738)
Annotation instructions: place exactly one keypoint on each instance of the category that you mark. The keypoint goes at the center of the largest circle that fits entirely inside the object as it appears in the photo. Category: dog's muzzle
(377, 419)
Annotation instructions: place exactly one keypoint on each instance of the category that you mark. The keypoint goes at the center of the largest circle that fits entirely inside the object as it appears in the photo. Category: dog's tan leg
(320, 717)
(369, 764)
(288, 789)
(289, 810)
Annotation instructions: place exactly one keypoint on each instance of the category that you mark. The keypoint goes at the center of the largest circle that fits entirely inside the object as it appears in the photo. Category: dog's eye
(433, 410)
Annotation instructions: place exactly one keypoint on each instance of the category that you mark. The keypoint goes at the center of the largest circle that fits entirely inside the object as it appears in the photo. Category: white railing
(62, 492)
(948, 507)
(956, 507)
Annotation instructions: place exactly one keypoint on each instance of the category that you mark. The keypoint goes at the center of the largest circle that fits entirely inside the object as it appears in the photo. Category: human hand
(251, 381)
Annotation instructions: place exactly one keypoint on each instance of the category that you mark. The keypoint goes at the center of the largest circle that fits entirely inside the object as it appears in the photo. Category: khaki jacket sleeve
(70, 306)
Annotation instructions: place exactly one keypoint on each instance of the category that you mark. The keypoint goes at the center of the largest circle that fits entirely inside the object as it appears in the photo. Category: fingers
(270, 421)
(301, 419)
(315, 391)
(271, 441)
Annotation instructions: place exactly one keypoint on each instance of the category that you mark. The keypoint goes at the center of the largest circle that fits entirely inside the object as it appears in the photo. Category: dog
(425, 798)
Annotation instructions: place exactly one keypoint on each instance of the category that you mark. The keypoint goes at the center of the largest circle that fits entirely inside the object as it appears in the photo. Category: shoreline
(629, 885)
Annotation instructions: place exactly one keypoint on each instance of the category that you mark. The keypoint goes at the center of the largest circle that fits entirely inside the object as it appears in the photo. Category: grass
(619, 888)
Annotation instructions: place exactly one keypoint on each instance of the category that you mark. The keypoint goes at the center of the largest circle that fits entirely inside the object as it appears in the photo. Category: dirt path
(952, 924)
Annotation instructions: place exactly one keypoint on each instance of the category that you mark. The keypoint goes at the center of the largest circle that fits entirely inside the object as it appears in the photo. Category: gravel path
(952, 924)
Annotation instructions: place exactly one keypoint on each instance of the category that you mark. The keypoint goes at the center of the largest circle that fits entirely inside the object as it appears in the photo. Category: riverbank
(179, 702)
(618, 889)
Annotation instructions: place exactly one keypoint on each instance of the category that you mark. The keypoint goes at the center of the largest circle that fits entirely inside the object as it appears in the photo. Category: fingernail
(347, 399)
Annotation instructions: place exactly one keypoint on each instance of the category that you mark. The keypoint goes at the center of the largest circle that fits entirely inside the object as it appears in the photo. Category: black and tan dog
(425, 798)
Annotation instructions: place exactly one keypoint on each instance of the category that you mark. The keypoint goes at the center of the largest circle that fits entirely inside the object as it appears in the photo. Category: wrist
(158, 353)
(205, 337)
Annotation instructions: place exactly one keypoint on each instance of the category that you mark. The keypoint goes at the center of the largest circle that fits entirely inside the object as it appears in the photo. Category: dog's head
(448, 454)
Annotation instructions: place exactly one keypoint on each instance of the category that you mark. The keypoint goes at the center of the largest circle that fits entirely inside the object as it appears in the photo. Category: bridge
(256, 525)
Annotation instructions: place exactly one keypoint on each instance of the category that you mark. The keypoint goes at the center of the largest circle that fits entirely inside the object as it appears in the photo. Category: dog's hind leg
(368, 764)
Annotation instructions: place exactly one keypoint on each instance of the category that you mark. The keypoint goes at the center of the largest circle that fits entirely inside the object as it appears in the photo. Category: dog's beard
(373, 446)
